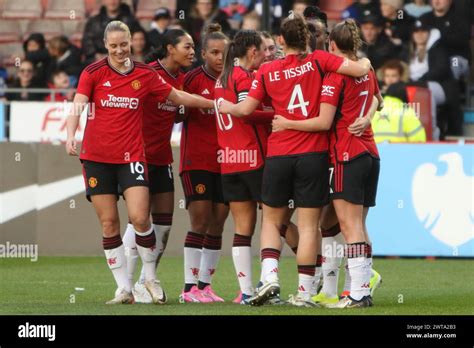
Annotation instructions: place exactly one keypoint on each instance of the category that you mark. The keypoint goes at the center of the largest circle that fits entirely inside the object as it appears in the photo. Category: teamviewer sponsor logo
(24, 251)
(37, 331)
(120, 102)
(232, 156)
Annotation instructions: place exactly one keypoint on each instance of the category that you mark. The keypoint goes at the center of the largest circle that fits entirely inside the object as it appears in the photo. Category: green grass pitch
(410, 287)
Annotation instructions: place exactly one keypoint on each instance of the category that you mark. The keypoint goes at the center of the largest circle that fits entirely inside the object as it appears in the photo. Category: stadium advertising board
(425, 203)
(41, 122)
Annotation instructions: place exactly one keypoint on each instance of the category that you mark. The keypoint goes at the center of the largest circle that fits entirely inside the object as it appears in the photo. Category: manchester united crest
(136, 85)
(200, 189)
(92, 182)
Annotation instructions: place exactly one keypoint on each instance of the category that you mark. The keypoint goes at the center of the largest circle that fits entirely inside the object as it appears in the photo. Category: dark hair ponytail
(172, 37)
(243, 41)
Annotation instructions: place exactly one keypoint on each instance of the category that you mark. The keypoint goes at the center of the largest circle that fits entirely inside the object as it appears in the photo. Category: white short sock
(242, 257)
(148, 256)
(118, 265)
(162, 234)
(209, 260)
(359, 277)
(192, 262)
(333, 253)
(131, 252)
(270, 269)
(305, 283)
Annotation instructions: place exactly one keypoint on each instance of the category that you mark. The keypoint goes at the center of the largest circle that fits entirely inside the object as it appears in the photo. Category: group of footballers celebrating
(303, 123)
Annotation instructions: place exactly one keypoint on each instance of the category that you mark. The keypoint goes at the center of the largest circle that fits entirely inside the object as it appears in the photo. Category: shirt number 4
(297, 97)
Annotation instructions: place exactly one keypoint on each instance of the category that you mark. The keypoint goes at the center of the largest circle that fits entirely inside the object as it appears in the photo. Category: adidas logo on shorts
(140, 177)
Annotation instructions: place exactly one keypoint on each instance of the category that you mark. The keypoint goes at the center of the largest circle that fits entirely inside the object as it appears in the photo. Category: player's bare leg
(107, 212)
(244, 215)
(351, 221)
(212, 250)
(289, 231)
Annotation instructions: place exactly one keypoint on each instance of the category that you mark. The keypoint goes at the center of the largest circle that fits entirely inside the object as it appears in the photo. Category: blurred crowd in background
(410, 43)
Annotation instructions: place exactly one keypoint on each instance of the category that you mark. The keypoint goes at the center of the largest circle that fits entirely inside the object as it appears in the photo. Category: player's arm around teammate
(356, 163)
(176, 52)
(242, 177)
(112, 151)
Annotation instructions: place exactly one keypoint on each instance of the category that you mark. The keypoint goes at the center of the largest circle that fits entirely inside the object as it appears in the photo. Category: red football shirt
(113, 132)
(352, 97)
(242, 145)
(158, 120)
(293, 84)
(199, 136)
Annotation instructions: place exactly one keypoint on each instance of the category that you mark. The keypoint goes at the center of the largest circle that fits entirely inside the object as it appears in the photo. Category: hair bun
(212, 28)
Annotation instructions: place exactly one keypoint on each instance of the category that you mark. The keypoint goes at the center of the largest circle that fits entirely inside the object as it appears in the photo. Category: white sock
(333, 253)
(209, 260)
(192, 261)
(270, 270)
(162, 233)
(148, 255)
(192, 256)
(242, 257)
(359, 277)
(305, 283)
(131, 252)
(118, 265)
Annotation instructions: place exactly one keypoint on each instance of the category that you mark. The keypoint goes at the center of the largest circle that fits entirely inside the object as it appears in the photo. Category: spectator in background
(64, 56)
(140, 46)
(162, 21)
(93, 39)
(25, 79)
(455, 29)
(362, 8)
(60, 80)
(397, 22)
(270, 46)
(235, 9)
(36, 52)
(393, 72)
(203, 13)
(397, 122)
(417, 8)
(299, 6)
(251, 21)
(378, 47)
(429, 67)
